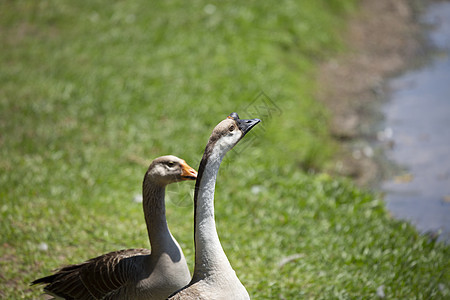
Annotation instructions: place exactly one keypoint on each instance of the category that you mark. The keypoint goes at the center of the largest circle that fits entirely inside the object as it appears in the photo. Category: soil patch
(382, 39)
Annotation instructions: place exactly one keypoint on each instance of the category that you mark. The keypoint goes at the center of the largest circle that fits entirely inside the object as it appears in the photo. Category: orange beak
(187, 173)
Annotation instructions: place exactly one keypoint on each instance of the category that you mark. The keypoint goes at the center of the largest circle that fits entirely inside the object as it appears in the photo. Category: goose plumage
(213, 277)
(133, 273)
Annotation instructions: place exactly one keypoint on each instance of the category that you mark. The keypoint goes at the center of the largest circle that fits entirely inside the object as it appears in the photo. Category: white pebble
(385, 135)
(256, 189)
(380, 291)
(137, 198)
(43, 246)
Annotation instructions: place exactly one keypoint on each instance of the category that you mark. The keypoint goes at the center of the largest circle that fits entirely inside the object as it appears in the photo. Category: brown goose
(133, 273)
(213, 278)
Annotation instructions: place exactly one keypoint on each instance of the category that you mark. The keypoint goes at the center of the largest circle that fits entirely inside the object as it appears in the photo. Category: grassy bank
(91, 91)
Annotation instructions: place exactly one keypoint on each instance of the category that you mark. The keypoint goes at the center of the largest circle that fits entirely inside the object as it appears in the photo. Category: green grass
(90, 91)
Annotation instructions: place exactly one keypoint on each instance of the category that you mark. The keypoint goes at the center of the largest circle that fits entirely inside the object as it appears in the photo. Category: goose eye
(171, 164)
(231, 128)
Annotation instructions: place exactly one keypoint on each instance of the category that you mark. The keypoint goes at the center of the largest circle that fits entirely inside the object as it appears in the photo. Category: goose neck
(209, 255)
(155, 215)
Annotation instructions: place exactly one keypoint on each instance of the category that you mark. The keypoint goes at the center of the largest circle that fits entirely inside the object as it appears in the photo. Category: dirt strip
(383, 38)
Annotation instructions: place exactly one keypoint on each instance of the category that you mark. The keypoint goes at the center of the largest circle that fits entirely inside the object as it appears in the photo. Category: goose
(133, 273)
(213, 277)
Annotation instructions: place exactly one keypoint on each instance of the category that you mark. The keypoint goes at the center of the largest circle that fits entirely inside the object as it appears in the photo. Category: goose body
(133, 273)
(213, 277)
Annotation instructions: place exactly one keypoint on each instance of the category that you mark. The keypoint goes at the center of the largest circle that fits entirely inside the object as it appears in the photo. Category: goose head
(168, 169)
(229, 132)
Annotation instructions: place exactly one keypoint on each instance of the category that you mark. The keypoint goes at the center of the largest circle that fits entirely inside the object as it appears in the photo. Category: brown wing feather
(95, 278)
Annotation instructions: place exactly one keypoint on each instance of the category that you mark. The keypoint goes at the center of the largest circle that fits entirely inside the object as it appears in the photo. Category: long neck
(209, 255)
(155, 216)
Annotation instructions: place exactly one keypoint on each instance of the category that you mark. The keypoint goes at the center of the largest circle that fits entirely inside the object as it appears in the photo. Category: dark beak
(246, 124)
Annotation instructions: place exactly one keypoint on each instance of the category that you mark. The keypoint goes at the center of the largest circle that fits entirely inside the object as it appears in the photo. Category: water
(418, 115)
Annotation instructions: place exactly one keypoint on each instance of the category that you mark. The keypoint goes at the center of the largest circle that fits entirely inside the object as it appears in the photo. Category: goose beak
(246, 124)
(187, 172)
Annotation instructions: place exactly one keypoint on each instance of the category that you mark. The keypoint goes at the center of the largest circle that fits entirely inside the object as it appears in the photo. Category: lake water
(417, 117)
